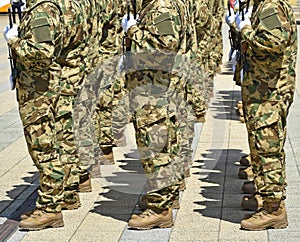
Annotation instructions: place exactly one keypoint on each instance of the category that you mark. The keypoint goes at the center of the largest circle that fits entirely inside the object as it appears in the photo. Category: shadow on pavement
(220, 185)
(122, 190)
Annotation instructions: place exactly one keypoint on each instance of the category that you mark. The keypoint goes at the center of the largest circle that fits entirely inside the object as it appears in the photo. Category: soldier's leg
(103, 130)
(120, 111)
(266, 140)
(158, 147)
(41, 138)
(67, 150)
(87, 147)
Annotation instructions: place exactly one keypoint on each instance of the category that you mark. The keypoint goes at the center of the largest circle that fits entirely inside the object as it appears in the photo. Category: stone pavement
(209, 207)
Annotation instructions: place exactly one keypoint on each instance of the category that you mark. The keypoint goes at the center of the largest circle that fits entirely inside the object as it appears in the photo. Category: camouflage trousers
(47, 121)
(111, 113)
(156, 122)
(196, 90)
(88, 150)
(266, 117)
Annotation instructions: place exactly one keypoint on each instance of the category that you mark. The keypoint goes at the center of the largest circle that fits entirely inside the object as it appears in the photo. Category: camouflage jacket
(52, 45)
(271, 46)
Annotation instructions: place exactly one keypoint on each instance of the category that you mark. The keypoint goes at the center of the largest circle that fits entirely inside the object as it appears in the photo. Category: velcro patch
(269, 18)
(163, 24)
(41, 29)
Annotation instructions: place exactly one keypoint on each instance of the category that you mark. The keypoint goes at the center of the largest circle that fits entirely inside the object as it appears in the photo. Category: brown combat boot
(107, 158)
(28, 214)
(246, 173)
(152, 218)
(64, 206)
(249, 187)
(271, 216)
(40, 219)
(245, 160)
(252, 203)
(70, 205)
(85, 183)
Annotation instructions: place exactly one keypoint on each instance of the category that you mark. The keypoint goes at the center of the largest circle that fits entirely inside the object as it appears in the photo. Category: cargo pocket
(153, 134)
(267, 133)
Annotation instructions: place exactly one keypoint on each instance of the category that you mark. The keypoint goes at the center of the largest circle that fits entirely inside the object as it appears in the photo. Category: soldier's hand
(240, 24)
(10, 32)
(127, 23)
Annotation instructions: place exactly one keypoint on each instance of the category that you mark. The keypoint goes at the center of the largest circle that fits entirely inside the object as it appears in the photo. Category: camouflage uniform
(51, 50)
(110, 116)
(203, 20)
(267, 92)
(159, 34)
(216, 52)
(88, 150)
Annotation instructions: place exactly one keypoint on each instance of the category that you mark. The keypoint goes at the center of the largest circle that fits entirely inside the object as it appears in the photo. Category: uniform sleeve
(272, 33)
(40, 39)
(202, 14)
(159, 29)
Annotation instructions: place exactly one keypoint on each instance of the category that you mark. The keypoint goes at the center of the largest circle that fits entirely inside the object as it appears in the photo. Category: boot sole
(281, 225)
(55, 224)
(159, 225)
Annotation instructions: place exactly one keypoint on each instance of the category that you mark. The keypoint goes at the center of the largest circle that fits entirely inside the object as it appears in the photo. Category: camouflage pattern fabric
(88, 150)
(158, 42)
(267, 91)
(216, 53)
(204, 20)
(109, 121)
(51, 51)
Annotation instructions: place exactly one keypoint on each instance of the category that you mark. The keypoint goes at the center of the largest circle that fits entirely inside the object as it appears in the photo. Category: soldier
(267, 91)
(51, 53)
(157, 38)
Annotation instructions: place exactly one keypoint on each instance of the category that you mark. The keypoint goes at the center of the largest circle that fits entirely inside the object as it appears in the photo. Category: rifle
(12, 58)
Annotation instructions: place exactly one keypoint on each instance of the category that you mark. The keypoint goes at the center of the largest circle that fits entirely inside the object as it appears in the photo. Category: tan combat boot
(252, 203)
(64, 206)
(85, 183)
(245, 160)
(40, 219)
(107, 158)
(270, 216)
(28, 214)
(246, 173)
(70, 205)
(249, 187)
(152, 218)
